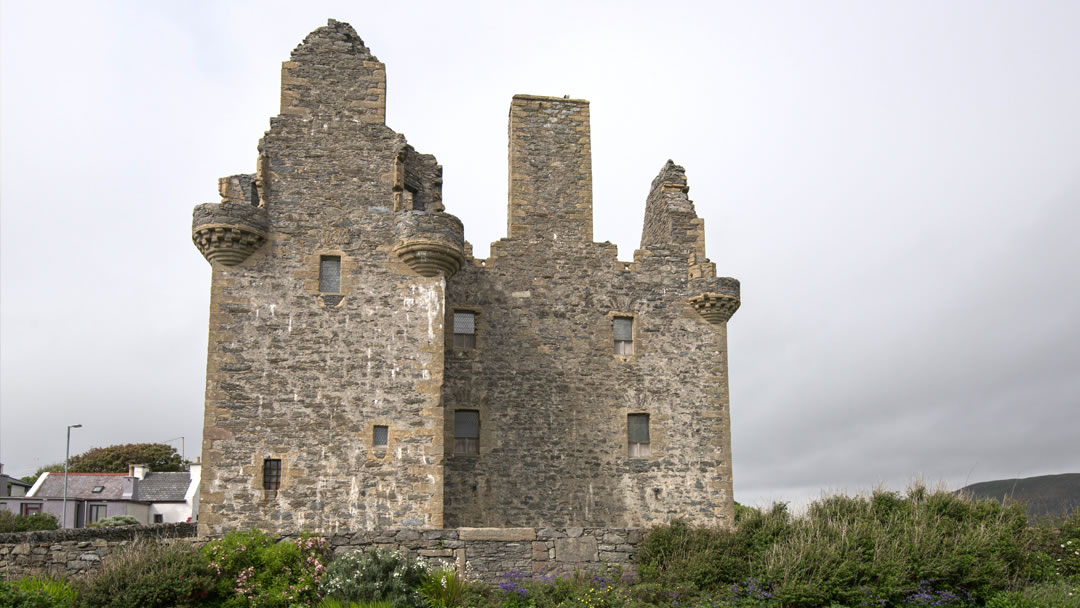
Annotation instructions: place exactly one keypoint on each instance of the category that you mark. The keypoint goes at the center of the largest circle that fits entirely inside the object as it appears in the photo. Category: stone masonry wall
(74, 552)
(553, 397)
(305, 376)
(480, 553)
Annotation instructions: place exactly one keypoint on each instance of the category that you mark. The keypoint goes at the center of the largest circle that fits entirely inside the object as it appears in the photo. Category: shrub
(253, 569)
(37, 592)
(147, 575)
(375, 575)
(1060, 594)
(442, 588)
(330, 602)
(859, 550)
(114, 522)
(10, 522)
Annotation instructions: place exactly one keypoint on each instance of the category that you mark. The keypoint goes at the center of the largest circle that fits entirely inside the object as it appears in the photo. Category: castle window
(464, 330)
(466, 432)
(623, 328)
(381, 436)
(272, 474)
(330, 274)
(637, 434)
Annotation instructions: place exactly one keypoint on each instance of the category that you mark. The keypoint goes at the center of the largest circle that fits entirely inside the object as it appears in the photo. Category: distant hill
(1045, 495)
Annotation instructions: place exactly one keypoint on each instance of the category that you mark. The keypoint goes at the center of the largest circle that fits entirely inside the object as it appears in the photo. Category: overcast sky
(896, 184)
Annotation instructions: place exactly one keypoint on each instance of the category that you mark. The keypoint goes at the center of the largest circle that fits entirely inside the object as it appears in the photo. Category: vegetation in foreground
(10, 522)
(882, 550)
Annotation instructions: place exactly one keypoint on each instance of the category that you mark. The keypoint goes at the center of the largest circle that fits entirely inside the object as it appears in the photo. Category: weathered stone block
(579, 549)
(497, 534)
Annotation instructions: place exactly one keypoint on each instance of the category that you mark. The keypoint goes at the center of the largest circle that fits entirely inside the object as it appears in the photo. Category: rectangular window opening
(330, 274)
(97, 513)
(623, 328)
(637, 435)
(30, 509)
(272, 474)
(159, 518)
(464, 330)
(467, 432)
(381, 436)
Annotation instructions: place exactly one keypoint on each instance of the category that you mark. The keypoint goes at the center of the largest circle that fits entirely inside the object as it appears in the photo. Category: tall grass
(849, 550)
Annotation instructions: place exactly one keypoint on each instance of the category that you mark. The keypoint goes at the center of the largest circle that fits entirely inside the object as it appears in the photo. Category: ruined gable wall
(552, 395)
(302, 376)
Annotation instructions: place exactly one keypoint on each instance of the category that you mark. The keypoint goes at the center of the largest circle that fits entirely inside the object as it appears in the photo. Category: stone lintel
(502, 534)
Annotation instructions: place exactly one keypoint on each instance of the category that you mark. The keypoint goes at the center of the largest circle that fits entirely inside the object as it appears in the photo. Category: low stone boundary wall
(73, 552)
(479, 553)
(489, 553)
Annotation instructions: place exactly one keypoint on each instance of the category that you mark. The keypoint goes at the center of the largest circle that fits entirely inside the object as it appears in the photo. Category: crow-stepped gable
(365, 371)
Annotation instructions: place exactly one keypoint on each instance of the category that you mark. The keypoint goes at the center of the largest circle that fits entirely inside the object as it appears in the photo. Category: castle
(365, 371)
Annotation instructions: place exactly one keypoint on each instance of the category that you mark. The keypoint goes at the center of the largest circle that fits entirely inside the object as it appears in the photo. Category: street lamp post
(67, 454)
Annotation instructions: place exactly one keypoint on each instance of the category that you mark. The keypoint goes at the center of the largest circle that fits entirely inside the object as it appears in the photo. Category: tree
(116, 458)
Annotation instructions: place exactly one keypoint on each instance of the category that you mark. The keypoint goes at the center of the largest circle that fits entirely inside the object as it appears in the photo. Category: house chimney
(138, 471)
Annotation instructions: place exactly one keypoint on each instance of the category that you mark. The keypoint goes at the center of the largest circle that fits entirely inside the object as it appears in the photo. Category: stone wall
(484, 554)
(74, 552)
(303, 376)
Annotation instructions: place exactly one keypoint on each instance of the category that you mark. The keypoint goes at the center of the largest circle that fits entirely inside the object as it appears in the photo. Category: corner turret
(230, 231)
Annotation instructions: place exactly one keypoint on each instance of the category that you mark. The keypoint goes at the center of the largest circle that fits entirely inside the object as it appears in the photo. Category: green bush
(253, 569)
(37, 592)
(1060, 594)
(10, 522)
(885, 547)
(147, 575)
(442, 588)
(114, 522)
(334, 603)
(375, 575)
(13, 597)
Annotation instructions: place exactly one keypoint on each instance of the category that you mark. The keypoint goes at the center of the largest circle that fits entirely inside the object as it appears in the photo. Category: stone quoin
(366, 372)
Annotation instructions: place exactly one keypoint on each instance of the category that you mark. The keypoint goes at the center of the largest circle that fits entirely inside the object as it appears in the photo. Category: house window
(98, 489)
(97, 513)
(464, 330)
(330, 274)
(637, 434)
(381, 436)
(272, 474)
(29, 509)
(467, 432)
(159, 518)
(623, 328)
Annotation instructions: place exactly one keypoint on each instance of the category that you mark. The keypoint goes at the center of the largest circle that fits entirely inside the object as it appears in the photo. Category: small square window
(159, 518)
(381, 436)
(637, 435)
(464, 330)
(98, 489)
(467, 432)
(623, 328)
(330, 274)
(272, 474)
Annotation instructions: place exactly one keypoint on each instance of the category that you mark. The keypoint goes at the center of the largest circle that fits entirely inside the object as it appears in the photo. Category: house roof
(164, 487)
(81, 486)
(14, 480)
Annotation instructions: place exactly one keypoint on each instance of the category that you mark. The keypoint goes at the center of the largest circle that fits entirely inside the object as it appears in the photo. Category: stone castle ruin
(366, 372)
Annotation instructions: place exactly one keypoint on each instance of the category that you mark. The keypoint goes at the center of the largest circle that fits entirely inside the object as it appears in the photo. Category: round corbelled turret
(720, 302)
(227, 233)
(431, 243)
